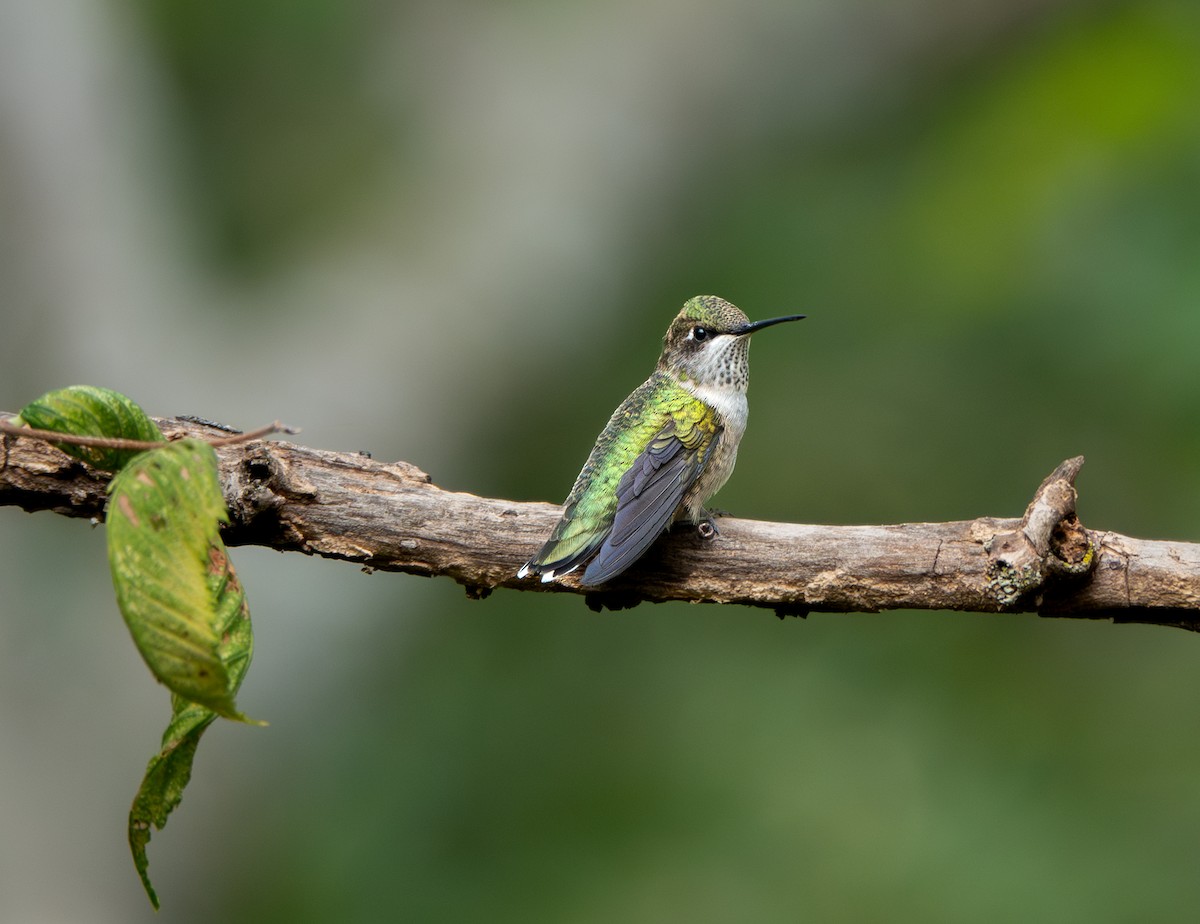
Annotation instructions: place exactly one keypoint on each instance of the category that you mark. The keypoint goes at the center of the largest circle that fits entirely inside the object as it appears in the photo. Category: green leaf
(167, 775)
(85, 410)
(175, 586)
(184, 607)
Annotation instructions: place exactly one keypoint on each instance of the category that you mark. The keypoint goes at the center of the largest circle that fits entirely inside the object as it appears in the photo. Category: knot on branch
(1049, 540)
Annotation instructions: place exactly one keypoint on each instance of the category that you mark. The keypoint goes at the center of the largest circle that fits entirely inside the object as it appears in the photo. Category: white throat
(728, 401)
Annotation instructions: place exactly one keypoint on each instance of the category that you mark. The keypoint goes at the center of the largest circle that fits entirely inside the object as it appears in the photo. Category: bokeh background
(453, 232)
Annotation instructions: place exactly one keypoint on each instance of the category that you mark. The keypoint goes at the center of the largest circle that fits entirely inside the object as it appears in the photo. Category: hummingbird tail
(551, 563)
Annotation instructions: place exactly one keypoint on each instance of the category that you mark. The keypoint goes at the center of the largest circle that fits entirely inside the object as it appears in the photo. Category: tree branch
(391, 517)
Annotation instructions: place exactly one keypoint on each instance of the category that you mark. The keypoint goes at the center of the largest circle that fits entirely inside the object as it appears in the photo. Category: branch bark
(390, 516)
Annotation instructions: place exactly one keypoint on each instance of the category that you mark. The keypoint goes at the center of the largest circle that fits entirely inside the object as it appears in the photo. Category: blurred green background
(453, 233)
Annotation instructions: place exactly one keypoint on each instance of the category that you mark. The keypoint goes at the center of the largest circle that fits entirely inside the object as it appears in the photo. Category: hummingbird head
(708, 343)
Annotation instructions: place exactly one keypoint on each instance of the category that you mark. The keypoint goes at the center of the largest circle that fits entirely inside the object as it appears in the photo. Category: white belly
(732, 410)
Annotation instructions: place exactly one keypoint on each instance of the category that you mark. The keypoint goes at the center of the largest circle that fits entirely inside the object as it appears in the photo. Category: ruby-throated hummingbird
(666, 450)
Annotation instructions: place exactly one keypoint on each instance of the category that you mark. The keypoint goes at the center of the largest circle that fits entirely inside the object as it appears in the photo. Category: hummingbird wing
(616, 510)
(650, 492)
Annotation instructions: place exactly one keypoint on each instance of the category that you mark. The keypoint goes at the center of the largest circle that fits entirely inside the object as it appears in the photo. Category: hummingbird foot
(706, 529)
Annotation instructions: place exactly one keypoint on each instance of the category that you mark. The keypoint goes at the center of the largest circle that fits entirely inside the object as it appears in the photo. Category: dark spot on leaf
(217, 561)
(126, 506)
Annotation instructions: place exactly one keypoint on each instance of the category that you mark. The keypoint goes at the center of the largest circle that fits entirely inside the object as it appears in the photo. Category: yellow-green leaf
(85, 410)
(174, 584)
(185, 609)
(166, 777)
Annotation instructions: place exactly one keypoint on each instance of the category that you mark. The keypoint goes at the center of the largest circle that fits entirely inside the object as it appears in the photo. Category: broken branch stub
(1048, 541)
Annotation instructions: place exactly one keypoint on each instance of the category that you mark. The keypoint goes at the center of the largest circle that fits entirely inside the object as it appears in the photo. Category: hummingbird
(665, 451)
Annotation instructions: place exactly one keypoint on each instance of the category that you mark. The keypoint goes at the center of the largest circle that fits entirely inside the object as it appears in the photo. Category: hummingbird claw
(707, 530)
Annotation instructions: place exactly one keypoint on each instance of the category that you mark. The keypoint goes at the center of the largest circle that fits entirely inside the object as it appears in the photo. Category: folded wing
(649, 494)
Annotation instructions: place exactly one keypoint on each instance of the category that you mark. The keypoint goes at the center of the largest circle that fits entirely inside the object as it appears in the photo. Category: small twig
(252, 435)
(108, 442)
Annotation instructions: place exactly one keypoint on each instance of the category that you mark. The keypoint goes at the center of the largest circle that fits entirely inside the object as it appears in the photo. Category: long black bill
(751, 327)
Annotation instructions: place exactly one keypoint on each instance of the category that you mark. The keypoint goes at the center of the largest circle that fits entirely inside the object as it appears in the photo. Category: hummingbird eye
(699, 334)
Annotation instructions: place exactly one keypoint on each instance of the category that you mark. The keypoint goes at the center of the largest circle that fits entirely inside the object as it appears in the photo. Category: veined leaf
(185, 609)
(169, 770)
(166, 777)
(175, 587)
(85, 410)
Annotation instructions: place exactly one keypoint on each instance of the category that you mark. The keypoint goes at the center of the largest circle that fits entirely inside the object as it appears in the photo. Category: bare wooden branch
(390, 516)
